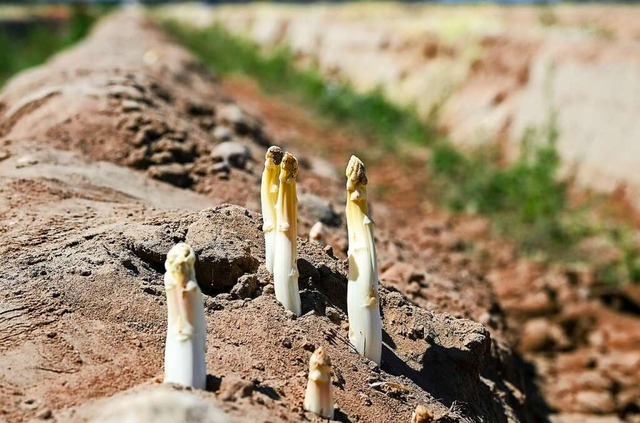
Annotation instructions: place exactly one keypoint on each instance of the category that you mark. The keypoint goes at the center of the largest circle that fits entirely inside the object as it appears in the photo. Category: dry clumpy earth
(582, 338)
(116, 150)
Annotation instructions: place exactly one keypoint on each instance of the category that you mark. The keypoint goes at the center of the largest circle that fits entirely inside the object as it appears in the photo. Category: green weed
(526, 200)
(371, 114)
(24, 48)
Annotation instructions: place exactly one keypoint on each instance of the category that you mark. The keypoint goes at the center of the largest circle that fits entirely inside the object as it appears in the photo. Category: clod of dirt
(218, 236)
(224, 251)
(232, 115)
(85, 258)
(231, 154)
(319, 209)
(245, 287)
(223, 134)
(174, 173)
(161, 405)
(233, 388)
(421, 415)
(540, 334)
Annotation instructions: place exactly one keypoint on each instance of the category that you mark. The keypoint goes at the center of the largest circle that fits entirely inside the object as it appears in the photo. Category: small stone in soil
(45, 414)
(332, 314)
(306, 345)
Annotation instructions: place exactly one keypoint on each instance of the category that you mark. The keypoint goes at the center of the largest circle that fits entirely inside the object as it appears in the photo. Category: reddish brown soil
(586, 355)
(110, 151)
(123, 146)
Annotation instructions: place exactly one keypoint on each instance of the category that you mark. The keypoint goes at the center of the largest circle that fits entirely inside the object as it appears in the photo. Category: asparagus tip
(316, 232)
(181, 253)
(274, 153)
(289, 167)
(356, 172)
(421, 415)
(320, 361)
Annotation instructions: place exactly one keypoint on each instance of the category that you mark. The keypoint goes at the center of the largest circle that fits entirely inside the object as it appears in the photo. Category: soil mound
(99, 146)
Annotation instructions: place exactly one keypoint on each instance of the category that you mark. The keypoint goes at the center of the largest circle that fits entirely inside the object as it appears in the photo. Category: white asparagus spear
(318, 397)
(184, 357)
(268, 198)
(421, 415)
(363, 305)
(285, 269)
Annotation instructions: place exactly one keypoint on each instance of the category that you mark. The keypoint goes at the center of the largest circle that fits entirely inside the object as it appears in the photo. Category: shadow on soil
(456, 387)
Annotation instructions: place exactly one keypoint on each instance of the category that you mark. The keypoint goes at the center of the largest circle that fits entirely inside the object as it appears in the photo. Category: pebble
(26, 161)
(268, 290)
(222, 133)
(596, 401)
(245, 287)
(45, 414)
(286, 343)
(232, 153)
(131, 106)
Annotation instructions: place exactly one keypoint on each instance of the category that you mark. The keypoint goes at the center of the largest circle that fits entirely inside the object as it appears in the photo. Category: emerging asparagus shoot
(285, 269)
(421, 415)
(318, 398)
(268, 198)
(184, 356)
(316, 232)
(365, 326)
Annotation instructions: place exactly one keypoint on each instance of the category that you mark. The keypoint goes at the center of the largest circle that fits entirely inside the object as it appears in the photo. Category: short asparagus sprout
(318, 398)
(184, 356)
(316, 233)
(421, 415)
(268, 198)
(285, 269)
(363, 305)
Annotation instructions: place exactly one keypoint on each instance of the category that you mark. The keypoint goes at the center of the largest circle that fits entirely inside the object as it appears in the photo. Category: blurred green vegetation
(370, 114)
(31, 43)
(526, 200)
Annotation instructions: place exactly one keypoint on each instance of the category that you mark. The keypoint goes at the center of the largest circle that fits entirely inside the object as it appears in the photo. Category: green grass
(526, 200)
(370, 114)
(30, 47)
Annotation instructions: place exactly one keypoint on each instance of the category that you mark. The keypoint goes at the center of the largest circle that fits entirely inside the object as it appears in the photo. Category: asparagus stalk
(318, 398)
(285, 269)
(184, 357)
(421, 415)
(268, 198)
(365, 326)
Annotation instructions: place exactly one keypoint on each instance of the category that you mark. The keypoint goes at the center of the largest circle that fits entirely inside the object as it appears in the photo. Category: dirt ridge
(82, 299)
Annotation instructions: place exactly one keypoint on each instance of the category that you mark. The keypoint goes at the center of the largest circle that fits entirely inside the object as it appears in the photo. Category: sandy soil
(114, 151)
